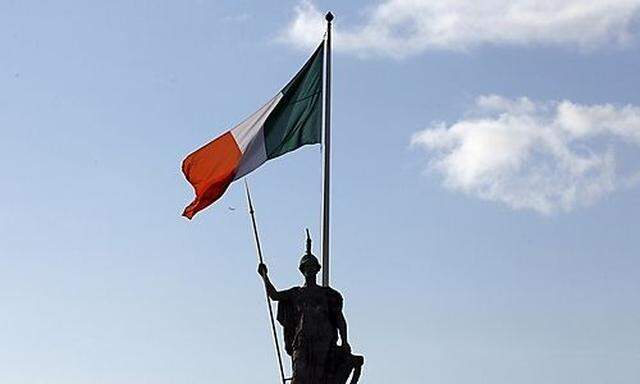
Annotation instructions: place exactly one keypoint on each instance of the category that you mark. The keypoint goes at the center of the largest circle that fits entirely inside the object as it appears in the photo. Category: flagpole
(326, 152)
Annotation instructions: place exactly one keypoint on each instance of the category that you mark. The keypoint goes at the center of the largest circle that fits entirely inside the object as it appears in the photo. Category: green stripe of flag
(297, 119)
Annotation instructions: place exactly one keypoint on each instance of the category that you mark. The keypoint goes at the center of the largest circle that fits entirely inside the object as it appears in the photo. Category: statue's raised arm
(273, 293)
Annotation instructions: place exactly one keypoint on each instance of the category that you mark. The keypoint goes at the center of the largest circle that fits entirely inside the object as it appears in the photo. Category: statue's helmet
(308, 260)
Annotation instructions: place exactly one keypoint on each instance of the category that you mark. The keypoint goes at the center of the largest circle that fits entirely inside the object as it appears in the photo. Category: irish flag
(291, 119)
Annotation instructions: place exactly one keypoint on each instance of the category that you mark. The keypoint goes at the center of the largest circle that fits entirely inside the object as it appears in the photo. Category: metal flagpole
(326, 152)
(259, 250)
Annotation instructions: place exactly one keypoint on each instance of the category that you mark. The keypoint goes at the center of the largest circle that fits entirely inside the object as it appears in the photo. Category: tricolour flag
(291, 119)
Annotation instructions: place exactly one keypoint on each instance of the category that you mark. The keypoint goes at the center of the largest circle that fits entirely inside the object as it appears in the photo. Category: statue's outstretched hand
(262, 270)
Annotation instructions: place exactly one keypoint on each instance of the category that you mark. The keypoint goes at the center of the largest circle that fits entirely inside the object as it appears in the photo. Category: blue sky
(459, 264)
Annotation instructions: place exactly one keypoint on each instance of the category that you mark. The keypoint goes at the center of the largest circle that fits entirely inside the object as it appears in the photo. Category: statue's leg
(310, 365)
(319, 362)
(300, 367)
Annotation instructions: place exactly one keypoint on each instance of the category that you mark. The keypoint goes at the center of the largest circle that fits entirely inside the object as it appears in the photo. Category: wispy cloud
(547, 157)
(399, 28)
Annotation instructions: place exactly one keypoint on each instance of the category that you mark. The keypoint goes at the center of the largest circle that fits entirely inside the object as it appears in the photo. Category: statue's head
(309, 264)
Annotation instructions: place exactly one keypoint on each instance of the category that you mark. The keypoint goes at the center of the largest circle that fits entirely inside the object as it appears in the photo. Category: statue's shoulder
(333, 295)
(331, 291)
(291, 292)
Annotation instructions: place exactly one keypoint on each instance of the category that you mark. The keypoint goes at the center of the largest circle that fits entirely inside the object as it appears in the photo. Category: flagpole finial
(329, 17)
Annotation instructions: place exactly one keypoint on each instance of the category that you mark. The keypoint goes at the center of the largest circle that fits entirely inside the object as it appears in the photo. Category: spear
(259, 251)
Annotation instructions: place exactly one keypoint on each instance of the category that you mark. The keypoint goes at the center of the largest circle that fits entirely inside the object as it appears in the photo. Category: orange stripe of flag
(210, 170)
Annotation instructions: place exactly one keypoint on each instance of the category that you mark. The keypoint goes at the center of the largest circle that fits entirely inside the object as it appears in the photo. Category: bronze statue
(312, 319)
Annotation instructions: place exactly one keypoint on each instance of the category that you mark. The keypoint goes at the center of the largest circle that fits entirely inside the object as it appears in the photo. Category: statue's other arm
(336, 304)
(342, 330)
(273, 293)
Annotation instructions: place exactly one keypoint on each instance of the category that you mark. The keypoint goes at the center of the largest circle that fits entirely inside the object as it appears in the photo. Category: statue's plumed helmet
(308, 259)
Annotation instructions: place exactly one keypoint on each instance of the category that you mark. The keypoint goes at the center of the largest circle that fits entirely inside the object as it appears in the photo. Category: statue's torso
(314, 322)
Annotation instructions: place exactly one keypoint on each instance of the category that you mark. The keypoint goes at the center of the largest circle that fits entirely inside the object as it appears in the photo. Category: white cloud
(546, 157)
(400, 28)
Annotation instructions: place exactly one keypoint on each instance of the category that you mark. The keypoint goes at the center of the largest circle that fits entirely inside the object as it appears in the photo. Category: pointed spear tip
(249, 202)
(329, 17)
